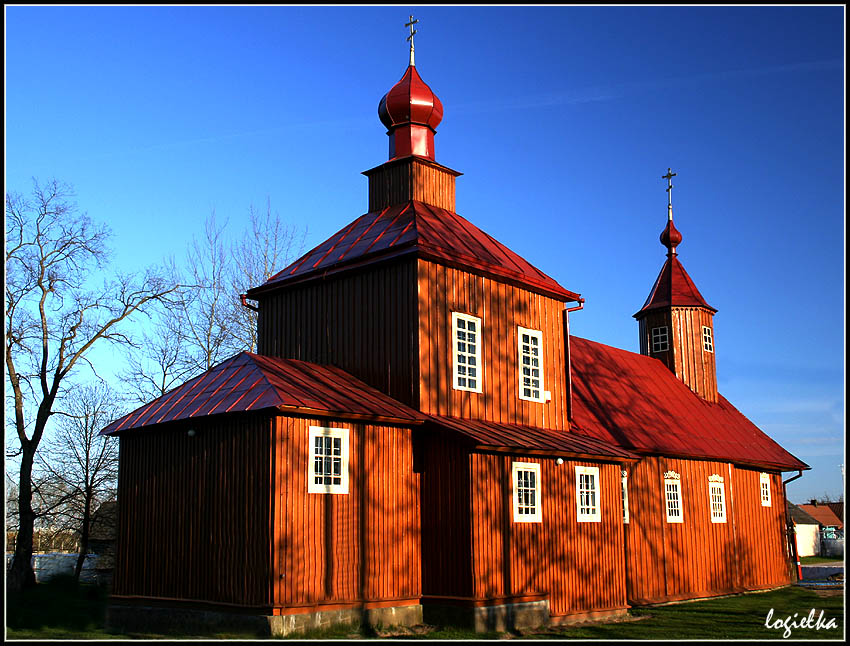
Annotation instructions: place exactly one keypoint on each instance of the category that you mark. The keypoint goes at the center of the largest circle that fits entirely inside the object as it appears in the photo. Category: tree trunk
(21, 574)
(84, 538)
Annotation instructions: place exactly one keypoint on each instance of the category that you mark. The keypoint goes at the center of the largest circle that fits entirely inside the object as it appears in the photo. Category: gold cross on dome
(410, 38)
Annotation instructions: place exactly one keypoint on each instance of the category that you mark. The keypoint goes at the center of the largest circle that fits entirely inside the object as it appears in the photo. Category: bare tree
(79, 465)
(207, 323)
(54, 316)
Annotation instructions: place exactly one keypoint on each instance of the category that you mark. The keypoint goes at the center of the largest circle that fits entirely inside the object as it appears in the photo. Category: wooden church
(419, 437)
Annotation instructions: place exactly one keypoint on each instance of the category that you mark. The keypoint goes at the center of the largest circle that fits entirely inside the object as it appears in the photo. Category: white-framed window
(466, 353)
(673, 497)
(707, 342)
(764, 485)
(530, 364)
(327, 470)
(587, 495)
(525, 477)
(717, 498)
(625, 475)
(660, 340)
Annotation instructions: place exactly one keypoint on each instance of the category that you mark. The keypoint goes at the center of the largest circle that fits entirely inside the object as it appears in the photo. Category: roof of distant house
(636, 402)
(799, 516)
(823, 514)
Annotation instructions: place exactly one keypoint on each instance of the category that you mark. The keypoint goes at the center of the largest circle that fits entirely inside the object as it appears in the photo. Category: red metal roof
(636, 402)
(431, 232)
(823, 514)
(251, 382)
(674, 288)
(513, 436)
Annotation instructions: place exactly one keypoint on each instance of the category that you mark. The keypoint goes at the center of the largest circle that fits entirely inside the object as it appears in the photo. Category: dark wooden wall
(501, 308)
(579, 564)
(194, 512)
(697, 558)
(338, 549)
(362, 321)
(411, 179)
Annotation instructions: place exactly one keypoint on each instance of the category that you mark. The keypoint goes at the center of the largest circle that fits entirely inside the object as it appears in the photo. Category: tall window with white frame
(327, 470)
(717, 498)
(660, 341)
(764, 485)
(587, 495)
(625, 475)
(466, 355)
(673, 497)
(707, 341)
(530, 364)
(526, 492)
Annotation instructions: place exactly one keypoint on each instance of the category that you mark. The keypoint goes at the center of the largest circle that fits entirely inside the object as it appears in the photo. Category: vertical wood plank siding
(580, 565)
(686, 356)
(364, 322)
(446, 545)
(501, 308)
(343, 548)
(411, 179)
(194, 512)
(695, 558)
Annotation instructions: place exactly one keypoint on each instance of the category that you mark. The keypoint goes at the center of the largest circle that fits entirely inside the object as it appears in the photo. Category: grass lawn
(814, 560)
(63, 610)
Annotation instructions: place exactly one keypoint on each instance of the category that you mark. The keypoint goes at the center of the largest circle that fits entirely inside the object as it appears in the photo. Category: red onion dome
(410, 101)
(670, 237)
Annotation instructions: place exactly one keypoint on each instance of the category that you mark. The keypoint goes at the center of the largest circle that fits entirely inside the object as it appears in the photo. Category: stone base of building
(128, 618)
(488, 618)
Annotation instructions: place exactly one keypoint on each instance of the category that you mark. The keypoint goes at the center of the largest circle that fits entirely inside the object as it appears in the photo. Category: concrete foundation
(148, 619)
(485, 619)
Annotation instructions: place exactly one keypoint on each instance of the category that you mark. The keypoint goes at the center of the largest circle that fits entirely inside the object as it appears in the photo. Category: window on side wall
(673, 497)
(625, 496)
(587, 495)
(466, 352)
(525, 477)
(530, 364)
(717, 498)
(328, 463)
(660, 342)
(707, 341)
(764, 485)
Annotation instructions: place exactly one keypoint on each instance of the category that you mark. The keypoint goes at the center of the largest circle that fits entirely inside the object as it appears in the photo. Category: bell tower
(676, 324)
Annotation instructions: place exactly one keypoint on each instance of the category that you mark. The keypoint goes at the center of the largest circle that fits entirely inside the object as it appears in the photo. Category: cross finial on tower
(669, 177)
(410, 38)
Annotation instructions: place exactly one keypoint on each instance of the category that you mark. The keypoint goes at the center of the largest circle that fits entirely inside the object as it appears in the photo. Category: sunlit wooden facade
(494, 470)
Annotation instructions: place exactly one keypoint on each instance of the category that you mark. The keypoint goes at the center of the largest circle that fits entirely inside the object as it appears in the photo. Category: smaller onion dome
(411, 113)
(670, 237)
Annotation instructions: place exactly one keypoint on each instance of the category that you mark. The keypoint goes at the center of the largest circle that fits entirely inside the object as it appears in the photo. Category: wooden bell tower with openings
(676, 324)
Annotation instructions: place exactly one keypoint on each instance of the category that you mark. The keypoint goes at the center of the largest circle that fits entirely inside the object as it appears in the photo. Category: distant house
(824, 514)
(838, 509)
(806, 528)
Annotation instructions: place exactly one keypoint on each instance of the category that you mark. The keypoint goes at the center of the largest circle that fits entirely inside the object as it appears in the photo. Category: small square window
(764, 484)
(328, 460)
(526, 492)
(707, 342)
(673, 497)
(466, 357)
(587, 495)
(717, 499)
(530, 364)
(660, 341)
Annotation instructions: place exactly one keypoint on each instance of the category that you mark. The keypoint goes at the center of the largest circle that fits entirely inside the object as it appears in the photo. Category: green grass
(813, 560)
(62, 609)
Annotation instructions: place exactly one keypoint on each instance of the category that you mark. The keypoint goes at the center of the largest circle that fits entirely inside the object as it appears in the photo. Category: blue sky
(562, 119)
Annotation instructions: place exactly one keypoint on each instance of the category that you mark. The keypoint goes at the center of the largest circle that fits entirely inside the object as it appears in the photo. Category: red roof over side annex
(634, 401)
(416, 227)
(251, 382)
